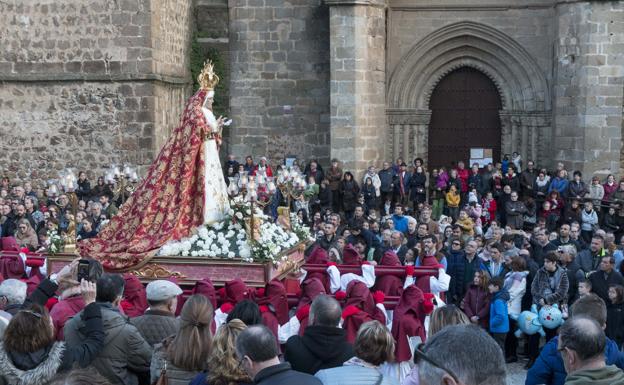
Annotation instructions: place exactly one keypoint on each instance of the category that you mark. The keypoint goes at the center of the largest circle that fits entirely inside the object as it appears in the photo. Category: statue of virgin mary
(184, 188)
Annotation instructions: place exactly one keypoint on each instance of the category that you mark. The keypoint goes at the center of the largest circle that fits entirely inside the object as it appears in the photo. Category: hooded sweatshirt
(499, 316)
(609, 375)
(320, 347)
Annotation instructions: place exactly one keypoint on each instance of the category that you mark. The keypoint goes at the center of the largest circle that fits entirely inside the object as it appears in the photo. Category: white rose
(239, 215)
(231, 255)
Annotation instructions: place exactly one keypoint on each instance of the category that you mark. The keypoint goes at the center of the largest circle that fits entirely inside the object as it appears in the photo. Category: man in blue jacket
(548, 368)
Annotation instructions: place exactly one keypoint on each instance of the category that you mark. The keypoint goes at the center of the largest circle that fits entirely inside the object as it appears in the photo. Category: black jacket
(615, 323)
(320, 347)
(282, 374)
(601, 281)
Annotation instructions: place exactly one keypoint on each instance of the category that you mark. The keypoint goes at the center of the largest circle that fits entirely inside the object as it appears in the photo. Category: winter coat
(156, 325)
(610, 223)
(320, 347)
(552, 291)
(456, 269)
(475, 181)
(353, 375)
(596, 193)
(541, 188)
(499, 316)
(334, 176)
(577, 190)
(417, 186)
(452, 200)
(560, 185)
(575, 275)
(515, 284)
(406, 182)
(84, 190)
(370, 195)
(548, 368)
(477, 303)
(125, 352)
(615, 323)
(589, 262)
(350, 191)
(442, 181)
(386, 177)
(601, 281)
(462, 175)
(527, 182)
(282, 374)
(512, 181)
(175, 375)
(609, 375)
(609, 190)
(37, 368)
(618, 196)
(515, 214)
(589, 220)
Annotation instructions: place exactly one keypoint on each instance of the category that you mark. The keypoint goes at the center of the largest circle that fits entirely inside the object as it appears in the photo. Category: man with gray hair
(582, 343)
(323, 344)
(461, 354)
(12, 295)
(257, 353)
(567, 260)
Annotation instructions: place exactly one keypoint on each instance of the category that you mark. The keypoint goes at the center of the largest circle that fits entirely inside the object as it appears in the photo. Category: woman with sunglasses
(30, 354)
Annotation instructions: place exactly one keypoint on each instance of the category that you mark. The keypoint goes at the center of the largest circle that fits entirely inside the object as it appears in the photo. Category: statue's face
(209, 101)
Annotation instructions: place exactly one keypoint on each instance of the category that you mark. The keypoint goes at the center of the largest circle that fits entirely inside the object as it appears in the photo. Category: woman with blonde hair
(26, 235)
(223, 366)
(182, 356)
(445, 316)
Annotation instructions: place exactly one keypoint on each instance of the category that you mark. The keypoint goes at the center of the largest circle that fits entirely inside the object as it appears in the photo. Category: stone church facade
(360, 80)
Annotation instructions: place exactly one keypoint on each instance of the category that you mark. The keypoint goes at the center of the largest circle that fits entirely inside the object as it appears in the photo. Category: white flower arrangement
(229, 238)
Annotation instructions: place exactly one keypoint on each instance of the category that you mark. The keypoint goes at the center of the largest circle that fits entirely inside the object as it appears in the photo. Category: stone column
(588, 91)
(506, 133)
(357, 87)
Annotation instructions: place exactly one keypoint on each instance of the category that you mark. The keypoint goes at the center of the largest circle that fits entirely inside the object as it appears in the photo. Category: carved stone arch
(410, 86)
(522, 86)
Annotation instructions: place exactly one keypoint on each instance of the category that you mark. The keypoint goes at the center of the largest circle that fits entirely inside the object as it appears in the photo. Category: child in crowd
(476, 302)
(499, 316)
(615, 315)
(584, 288)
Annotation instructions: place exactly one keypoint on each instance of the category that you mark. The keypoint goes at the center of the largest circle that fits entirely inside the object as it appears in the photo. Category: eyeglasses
(419, 355)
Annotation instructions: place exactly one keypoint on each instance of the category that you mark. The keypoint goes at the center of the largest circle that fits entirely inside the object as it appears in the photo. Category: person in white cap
(159, 320)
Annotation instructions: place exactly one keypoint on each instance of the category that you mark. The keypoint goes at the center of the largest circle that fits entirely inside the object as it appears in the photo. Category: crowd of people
(475, 248)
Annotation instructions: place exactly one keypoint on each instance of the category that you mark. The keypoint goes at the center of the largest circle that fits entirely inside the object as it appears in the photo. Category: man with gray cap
(159, 320)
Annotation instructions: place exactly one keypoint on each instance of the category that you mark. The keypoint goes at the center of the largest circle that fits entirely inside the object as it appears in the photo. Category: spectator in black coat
(257, 351)
(606, 276)
(323, 344)
(84, 187)
(456, 268)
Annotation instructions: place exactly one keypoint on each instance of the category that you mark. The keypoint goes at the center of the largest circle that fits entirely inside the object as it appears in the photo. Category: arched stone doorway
(524, 115)
(465, 107)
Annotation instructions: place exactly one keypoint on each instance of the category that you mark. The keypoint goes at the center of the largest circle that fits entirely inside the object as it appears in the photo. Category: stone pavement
(516, 373)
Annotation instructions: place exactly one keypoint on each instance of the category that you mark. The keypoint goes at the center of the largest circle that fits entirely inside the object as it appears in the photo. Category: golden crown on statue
(207, 78)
